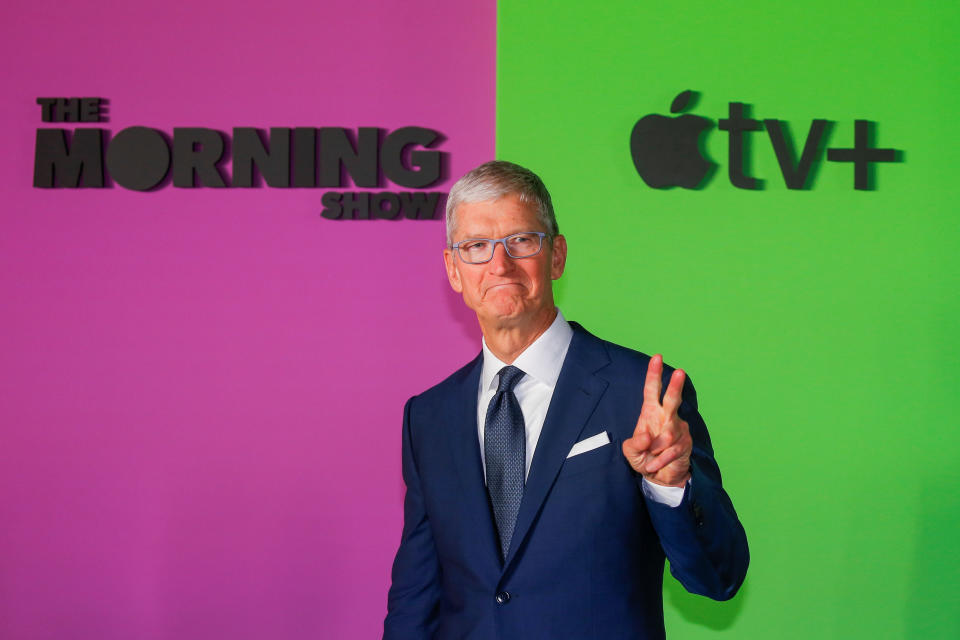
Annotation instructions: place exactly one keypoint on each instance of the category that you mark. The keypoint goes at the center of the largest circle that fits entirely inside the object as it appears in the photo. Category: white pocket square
(589, 444)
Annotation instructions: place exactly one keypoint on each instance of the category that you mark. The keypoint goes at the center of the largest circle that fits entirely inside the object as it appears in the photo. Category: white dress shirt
(542, 361)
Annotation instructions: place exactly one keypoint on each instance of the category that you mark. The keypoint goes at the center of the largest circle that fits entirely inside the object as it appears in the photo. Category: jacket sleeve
(702, 537)
(415, 583)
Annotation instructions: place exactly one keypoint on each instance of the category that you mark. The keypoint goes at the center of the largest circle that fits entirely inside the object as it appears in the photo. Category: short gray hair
(496, 179)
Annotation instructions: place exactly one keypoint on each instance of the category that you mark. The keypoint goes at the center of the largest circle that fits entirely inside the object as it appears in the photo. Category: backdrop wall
(820, 325)
(201, 389)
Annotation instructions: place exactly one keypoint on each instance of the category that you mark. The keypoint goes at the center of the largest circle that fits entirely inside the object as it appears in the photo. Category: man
(548, 479)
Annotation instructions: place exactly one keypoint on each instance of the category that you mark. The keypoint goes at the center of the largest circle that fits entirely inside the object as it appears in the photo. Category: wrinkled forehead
(506, 214)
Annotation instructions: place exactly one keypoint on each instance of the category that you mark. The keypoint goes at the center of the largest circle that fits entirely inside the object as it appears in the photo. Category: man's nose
(500, 262)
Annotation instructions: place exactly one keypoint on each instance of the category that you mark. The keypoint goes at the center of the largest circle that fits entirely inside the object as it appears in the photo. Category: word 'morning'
(140, 158)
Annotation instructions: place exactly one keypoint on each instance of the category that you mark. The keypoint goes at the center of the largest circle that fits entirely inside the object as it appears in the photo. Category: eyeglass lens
(519, 245)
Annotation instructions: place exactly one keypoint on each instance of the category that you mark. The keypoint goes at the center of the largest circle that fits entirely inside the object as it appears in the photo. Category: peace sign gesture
(661, 443)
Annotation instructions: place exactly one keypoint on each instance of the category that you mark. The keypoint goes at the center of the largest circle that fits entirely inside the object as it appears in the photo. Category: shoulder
(454, 382)
(451, 390)
(619, 358)
(623, 365)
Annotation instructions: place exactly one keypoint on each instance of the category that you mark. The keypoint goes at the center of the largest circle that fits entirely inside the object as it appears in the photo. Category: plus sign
(861, 155)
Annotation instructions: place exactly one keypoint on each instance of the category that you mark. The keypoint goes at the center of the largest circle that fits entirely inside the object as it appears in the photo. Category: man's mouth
(501, 285)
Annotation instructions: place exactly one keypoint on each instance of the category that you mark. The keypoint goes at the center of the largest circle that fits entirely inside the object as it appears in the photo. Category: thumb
(636, 447)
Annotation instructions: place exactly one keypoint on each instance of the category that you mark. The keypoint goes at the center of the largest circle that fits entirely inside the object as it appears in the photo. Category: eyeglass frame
(541, 234)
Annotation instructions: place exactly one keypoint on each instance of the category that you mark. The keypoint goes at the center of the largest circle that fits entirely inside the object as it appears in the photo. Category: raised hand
(661, 444)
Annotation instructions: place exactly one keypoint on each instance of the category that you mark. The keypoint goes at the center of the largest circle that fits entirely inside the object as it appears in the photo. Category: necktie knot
(509, 377)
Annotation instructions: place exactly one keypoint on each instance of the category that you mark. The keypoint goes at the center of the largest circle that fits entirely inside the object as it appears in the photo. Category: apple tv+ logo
(670, 151)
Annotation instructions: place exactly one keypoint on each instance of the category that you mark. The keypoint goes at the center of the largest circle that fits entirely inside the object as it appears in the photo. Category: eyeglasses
(525, 244)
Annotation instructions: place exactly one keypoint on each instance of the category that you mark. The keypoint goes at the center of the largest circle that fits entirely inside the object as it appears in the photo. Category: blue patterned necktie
(504, 449)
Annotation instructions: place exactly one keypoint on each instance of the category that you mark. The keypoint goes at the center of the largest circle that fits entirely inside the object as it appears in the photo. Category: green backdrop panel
(819, 325)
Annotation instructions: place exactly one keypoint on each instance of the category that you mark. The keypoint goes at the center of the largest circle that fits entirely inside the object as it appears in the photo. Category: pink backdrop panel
(201, 389)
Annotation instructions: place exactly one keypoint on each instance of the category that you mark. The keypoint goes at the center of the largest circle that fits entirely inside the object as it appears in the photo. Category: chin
(505, 311)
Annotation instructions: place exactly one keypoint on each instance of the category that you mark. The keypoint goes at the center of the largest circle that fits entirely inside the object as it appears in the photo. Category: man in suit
(547, 480)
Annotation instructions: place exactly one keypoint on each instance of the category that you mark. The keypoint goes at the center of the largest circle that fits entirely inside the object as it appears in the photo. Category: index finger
(673, 396)
(652, 385)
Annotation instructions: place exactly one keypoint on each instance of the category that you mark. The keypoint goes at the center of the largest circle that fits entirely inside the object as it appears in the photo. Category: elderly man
(548, 479)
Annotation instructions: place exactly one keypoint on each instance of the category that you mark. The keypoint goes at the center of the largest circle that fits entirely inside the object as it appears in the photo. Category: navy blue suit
(587, 555)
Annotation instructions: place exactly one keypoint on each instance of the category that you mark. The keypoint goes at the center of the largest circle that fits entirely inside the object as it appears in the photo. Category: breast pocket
(602, 456)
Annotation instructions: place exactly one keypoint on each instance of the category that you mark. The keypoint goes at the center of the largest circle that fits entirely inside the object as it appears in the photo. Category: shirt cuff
(670, 496)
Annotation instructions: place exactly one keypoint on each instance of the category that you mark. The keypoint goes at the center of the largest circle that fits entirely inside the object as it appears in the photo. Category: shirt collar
(541, 361)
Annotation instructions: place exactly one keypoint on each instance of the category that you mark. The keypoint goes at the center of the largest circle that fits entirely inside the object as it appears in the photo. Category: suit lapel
(576, 395)
(465, 448)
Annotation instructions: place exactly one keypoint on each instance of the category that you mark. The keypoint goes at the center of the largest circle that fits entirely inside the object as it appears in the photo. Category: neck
(509, 341)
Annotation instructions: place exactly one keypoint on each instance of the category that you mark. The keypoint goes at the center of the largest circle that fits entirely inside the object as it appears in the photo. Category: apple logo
(666, 151)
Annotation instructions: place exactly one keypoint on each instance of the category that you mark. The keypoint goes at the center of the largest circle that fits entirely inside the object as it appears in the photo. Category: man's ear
(453, 274)
(558, 259)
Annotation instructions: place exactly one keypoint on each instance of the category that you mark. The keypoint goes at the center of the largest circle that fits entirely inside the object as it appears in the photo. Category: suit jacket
(587, 554)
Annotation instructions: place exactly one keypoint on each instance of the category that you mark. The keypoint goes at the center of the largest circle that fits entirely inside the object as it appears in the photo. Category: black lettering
(427, 163)
(89, 109)
(249, 151)
(138, 158)
(59, 163)
(331, 203)
(356, 205)
(67, 110)
(736, 124)
(382, 198)
(419, 205)
(339, 153)
(46, 108)
(862, 154)
(796, 176)
(196, 152)
(305, 157)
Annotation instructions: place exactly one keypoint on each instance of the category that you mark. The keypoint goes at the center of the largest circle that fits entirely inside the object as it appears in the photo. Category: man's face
(505, 292)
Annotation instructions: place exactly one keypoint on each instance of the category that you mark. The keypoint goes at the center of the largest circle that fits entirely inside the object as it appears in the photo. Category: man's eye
(474, 245)
(521, 242)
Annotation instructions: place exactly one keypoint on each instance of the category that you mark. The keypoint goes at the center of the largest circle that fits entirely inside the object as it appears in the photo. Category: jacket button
(503, 597)
(698, 514)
